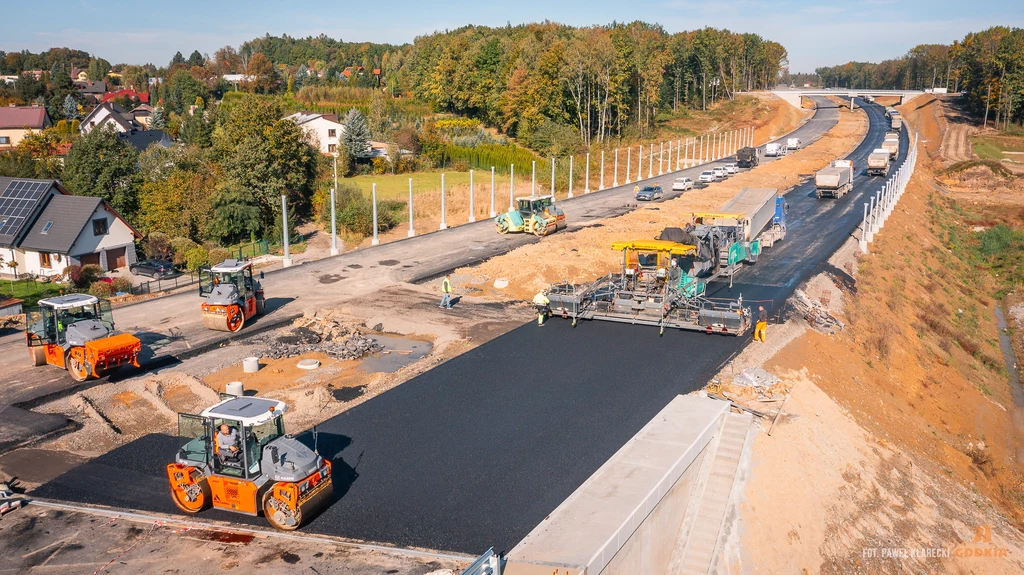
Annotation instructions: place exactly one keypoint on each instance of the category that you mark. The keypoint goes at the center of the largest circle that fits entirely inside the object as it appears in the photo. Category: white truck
(793, 144)
(892, 144)
(835, 180)
(878, 162)
(774, 149)
(896, 122)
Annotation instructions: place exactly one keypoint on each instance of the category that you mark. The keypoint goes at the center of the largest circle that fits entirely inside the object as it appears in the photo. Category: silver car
(731, 169)
(719, 172)
(682, 184)
(707, 176)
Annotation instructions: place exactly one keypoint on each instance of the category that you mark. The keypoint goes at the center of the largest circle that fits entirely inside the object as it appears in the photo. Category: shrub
(101, 289)
(74, 274)
(121, 285)
(158, 246)
(381, 165)
(180, 247)
(88, 274)
(218, 255)
(196, 257)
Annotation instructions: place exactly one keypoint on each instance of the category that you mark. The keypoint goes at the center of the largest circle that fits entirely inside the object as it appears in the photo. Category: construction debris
(8, 502)
(319, 334)
(755, 377)
(815, 313)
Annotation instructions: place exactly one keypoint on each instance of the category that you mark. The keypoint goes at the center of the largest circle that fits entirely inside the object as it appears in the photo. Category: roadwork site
(874, 415)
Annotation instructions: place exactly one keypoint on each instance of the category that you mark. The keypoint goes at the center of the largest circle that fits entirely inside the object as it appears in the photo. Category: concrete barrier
(628, 516)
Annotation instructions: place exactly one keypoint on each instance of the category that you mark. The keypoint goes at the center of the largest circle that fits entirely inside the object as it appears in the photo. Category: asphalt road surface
(477, 451)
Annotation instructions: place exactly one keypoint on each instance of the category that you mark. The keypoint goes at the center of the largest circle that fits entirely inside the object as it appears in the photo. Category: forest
(988, 66)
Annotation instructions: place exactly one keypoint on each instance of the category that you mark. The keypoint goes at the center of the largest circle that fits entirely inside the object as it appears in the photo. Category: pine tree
(157, 121)
(70, 108)
(356, 136)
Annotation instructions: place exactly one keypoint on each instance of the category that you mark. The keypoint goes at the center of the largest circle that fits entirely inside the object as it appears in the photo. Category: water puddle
(398, 353)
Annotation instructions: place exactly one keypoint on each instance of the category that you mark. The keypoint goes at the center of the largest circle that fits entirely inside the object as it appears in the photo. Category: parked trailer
(878, 162)
(892, 144)
(835, 180)
(747, 157)
(650, 289)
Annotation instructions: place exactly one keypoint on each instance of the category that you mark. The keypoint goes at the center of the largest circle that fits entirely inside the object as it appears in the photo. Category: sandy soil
(586, 255)
(907, 436)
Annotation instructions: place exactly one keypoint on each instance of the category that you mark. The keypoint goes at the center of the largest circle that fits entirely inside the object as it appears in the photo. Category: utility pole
(334, 217)
(287, 262)
(376, 240)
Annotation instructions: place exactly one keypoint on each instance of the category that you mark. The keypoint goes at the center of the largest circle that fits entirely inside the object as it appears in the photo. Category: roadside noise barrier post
(492, 193)
(511, 184)
(570, 176)
(615, 170)
(629, 162)
(472, 215)
(444, 224)
(334, 225)
(586, 187)
(376, 240)
(864, 230)
(552, 178)
(412, 230)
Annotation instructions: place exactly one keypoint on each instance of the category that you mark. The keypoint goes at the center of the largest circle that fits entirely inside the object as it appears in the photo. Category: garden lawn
(30, 291)
(396, 187)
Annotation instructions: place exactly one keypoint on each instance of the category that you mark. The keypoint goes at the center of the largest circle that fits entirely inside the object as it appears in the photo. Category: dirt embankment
(908, 439)
(586, 254)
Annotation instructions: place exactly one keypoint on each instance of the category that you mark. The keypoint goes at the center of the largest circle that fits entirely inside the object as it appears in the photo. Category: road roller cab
(76, 332)
(267, 471)
(232, 295)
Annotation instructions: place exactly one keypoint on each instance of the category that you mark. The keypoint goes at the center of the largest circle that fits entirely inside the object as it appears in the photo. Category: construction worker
(227, 442)
(541, 301)
(636, 188)
(446, 291)
(762, 324)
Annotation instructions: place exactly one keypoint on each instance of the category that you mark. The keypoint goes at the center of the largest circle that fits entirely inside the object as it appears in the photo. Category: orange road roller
(232, 295)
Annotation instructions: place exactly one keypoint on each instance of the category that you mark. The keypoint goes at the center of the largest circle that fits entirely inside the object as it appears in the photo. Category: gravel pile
(320, 335)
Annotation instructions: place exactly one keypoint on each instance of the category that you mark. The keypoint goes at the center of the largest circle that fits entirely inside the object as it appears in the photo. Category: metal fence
(249, 250)
(164, 284)
(489, 563)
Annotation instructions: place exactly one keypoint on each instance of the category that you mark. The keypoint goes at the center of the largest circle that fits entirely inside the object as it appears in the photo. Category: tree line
(988, 66)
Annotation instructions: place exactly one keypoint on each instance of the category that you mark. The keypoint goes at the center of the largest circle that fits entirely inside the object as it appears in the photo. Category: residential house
(112, 114)
(9, 78)
(10, 306)
(92, 91)
(141, 114)
(79, 75)
(349, 71)
(44, 229)
(142, 139)
(16, 121)
(324, 129)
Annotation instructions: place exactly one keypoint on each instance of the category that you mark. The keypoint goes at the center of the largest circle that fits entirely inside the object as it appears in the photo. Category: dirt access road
(171, 328)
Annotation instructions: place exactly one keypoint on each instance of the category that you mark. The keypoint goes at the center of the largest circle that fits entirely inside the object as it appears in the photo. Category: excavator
(252, 468)
(232, 295)
(76, 332)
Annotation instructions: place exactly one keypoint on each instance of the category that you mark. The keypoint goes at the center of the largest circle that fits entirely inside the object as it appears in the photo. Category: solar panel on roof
(17, 203)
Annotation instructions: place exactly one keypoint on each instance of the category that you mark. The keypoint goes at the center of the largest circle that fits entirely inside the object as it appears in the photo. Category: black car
(155, 269)
(649, 194)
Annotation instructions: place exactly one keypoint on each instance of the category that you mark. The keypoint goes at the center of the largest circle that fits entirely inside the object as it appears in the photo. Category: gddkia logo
(981, 545)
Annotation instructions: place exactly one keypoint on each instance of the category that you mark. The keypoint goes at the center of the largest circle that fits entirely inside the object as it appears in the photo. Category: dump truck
(76, 332)
(835, 180)
(254, 467)
(878, 162)
(892, 144)
(232, 295)
(896, 122)
(774, 149)
(532, 214)
(651, 288)
(747, 157)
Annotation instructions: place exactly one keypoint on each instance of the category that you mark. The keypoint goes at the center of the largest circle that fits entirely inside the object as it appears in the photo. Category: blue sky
(815, 32)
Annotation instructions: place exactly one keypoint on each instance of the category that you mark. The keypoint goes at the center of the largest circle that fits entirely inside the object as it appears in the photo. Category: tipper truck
(896, 122)
(878, 162)
(892, 144)
(747, 157)
(835, 180)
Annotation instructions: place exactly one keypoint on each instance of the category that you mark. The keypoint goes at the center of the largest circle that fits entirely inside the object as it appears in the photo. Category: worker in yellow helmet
(542, 302)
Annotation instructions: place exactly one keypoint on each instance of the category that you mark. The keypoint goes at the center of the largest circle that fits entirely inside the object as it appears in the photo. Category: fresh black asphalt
(477, 451)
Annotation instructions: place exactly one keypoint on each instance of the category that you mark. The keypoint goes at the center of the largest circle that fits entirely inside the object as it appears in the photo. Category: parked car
(649, 193)
(707, 176)
(682, 184)
(155, 269)
(719, 172)
(731, 169)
